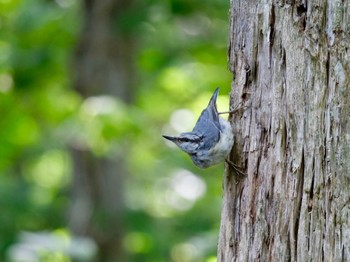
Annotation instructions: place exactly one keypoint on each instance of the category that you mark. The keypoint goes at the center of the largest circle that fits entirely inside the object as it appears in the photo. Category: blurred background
(87, 88)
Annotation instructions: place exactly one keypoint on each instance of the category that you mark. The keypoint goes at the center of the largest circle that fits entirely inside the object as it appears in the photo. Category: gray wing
(208, 124)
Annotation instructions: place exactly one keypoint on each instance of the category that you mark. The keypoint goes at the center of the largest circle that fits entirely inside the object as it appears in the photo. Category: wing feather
(208, 124)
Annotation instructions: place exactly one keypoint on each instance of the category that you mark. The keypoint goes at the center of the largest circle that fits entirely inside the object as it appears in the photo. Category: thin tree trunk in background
(291, 63)
(103, 66)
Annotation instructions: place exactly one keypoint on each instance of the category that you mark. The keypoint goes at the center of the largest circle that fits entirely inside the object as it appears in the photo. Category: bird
(211, 140)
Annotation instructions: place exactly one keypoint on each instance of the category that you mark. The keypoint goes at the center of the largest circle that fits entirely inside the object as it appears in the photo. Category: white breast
(220, 151)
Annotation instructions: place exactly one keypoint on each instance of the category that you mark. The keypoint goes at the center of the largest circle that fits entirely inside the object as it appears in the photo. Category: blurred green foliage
(173, 208)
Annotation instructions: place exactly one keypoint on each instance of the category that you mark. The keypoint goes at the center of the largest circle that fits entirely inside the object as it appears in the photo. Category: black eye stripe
(193, 140)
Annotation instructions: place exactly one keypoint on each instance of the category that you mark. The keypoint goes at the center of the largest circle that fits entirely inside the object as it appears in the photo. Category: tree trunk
(291, 63)
(103, 66)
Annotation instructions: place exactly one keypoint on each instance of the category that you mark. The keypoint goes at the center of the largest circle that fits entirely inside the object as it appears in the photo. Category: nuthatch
(210, 141)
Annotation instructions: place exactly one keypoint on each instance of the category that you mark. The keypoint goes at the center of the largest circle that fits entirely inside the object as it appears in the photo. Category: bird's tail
(212, 101)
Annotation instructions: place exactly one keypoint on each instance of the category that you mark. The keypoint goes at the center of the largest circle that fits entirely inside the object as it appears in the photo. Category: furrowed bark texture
(291, 63)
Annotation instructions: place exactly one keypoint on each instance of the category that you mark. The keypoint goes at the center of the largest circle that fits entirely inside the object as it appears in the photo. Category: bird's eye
(186, 139)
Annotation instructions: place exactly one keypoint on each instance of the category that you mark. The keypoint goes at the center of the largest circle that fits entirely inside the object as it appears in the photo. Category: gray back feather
(208, 124)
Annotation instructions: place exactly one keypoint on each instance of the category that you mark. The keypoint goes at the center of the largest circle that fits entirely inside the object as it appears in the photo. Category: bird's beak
(171, 138)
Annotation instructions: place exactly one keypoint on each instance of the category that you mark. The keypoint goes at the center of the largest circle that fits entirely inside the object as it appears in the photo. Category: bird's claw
(237, 169)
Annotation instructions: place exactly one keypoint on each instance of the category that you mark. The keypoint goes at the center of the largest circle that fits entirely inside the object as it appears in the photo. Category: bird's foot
(237, 108)
(237, 169)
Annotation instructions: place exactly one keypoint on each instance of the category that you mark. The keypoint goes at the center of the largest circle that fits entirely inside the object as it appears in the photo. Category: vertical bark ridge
(297, 210)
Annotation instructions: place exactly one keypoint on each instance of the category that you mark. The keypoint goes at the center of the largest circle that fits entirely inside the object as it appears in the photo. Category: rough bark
(291, 63)
(103, 66)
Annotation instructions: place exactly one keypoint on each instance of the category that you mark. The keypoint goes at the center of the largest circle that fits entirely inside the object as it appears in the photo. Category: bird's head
(188, 142)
